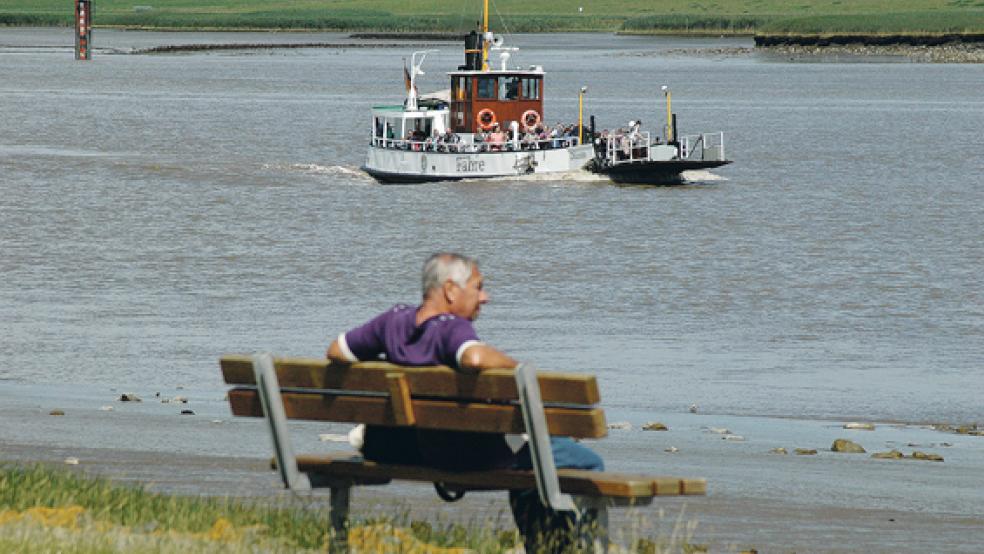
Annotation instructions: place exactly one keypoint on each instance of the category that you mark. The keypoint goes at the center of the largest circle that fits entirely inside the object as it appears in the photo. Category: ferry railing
(622, 149)
(706, 146)
(472, 147)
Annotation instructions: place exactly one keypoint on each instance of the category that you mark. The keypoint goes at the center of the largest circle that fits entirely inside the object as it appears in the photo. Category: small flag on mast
(406, 75)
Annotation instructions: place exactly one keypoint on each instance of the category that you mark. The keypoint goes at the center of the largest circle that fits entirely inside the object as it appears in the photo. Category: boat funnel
(473, 52)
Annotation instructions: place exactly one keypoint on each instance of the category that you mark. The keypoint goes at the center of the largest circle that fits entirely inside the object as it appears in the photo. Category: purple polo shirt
(395, 336)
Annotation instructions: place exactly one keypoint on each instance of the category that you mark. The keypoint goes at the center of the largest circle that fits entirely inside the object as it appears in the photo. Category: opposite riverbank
(723, 17)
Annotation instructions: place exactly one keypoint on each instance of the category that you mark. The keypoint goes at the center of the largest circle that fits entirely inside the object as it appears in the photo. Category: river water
(160, 210)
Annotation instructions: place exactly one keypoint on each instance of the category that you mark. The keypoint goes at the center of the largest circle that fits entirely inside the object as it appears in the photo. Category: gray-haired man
(440, 331)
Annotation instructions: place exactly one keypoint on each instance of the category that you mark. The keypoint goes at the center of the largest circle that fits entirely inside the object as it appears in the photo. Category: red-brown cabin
(482, 99)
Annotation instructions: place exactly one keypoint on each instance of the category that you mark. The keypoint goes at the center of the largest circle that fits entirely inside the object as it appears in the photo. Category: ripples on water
(158, 211)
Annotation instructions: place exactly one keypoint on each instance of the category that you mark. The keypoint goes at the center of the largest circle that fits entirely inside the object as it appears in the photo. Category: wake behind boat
(490, 123)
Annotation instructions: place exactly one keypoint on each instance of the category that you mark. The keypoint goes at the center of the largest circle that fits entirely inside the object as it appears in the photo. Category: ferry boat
(490, 123)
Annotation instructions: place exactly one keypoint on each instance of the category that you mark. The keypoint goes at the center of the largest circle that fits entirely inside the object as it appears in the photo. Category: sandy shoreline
(756, 499)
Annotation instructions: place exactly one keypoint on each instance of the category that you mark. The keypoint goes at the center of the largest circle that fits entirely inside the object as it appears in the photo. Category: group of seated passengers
(493, 140)
(559, 136)
(622, 140)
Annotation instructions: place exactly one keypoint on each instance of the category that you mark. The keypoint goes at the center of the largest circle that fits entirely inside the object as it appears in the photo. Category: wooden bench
(495, 401)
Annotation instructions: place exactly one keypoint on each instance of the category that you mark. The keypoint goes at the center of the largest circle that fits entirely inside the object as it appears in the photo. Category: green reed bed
(632, 16)
(316, 20)
(928, 22)
(695, 24)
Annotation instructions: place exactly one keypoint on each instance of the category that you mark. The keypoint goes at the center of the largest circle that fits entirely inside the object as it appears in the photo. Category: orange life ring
(485, 119)
(531, 119)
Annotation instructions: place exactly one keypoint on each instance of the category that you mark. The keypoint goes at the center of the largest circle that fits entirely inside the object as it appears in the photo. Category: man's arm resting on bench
(482, 356)
(475, 358)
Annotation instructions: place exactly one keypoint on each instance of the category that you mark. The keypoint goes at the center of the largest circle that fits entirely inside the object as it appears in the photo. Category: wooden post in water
(83, 29)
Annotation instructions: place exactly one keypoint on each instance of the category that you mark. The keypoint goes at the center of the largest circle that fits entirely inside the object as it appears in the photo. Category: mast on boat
(485, 35)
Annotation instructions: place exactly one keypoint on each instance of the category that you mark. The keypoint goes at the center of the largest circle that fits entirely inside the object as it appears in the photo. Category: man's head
(452, 283)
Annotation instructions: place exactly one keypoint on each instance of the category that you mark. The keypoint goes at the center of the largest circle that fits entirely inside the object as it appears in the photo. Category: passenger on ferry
(570, 132)
(621, 145)
(529, 141)
(635, 137)
(555, 134)
(431, 143)
(625, 139)
(542, 137)
(450, 140)
(497, 138)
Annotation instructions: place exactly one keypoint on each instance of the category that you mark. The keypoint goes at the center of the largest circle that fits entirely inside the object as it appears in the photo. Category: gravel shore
(947, 53)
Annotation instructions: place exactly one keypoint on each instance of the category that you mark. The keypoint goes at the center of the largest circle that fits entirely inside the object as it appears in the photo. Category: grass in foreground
(642, 16)
(44, 510)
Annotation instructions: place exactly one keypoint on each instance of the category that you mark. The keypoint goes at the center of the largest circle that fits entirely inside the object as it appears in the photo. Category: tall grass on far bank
(929, 22)
(630, 16)
(316, 20)
(695, 24)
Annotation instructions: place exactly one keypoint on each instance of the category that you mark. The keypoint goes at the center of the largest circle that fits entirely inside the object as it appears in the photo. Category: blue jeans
(543, 529)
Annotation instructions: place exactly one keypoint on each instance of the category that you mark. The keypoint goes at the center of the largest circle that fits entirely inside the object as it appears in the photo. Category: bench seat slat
(496, 385)
(572, 481)
(429, 414)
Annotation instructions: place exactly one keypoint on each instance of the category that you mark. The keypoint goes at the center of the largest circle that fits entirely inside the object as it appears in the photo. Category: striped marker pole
(83, 29)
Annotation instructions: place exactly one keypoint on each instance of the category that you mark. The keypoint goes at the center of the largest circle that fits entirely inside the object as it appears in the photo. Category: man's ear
(449, 293)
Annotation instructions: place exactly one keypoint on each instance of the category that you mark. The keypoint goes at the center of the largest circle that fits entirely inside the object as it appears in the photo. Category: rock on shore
(847, 446)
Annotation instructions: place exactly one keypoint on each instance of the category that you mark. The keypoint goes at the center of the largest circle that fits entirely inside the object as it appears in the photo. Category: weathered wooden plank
(429, 414)
(572, 481)
(439, 381)
(400, 398)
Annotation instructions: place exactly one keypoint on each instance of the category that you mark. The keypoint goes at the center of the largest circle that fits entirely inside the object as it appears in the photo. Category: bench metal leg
(541, 453)
(339, 512)
(273, 407)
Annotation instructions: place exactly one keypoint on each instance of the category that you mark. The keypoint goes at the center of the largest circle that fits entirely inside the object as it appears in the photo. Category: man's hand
(481, 356)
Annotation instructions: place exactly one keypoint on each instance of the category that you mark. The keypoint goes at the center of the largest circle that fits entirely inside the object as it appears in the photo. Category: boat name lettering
(465, 164)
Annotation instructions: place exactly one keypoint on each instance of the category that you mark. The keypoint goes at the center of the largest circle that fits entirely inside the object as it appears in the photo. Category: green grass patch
(45, 510)
(134, 508)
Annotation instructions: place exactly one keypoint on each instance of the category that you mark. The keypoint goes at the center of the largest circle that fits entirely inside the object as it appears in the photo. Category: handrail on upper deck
(475, 147)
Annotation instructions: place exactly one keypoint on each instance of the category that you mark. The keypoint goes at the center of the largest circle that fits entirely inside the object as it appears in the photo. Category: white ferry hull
(407, 166)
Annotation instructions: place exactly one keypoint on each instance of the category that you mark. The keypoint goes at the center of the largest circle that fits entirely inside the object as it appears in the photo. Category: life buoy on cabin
(531, 118)
(485, 119)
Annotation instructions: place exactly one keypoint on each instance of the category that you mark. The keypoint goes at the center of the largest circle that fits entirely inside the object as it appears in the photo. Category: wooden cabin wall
(466, 100)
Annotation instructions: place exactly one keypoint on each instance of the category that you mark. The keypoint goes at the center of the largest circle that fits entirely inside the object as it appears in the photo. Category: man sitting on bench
(440, 332)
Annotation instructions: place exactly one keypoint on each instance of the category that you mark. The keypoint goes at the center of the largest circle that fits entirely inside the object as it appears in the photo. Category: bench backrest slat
(491, 385)
(427, 413)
